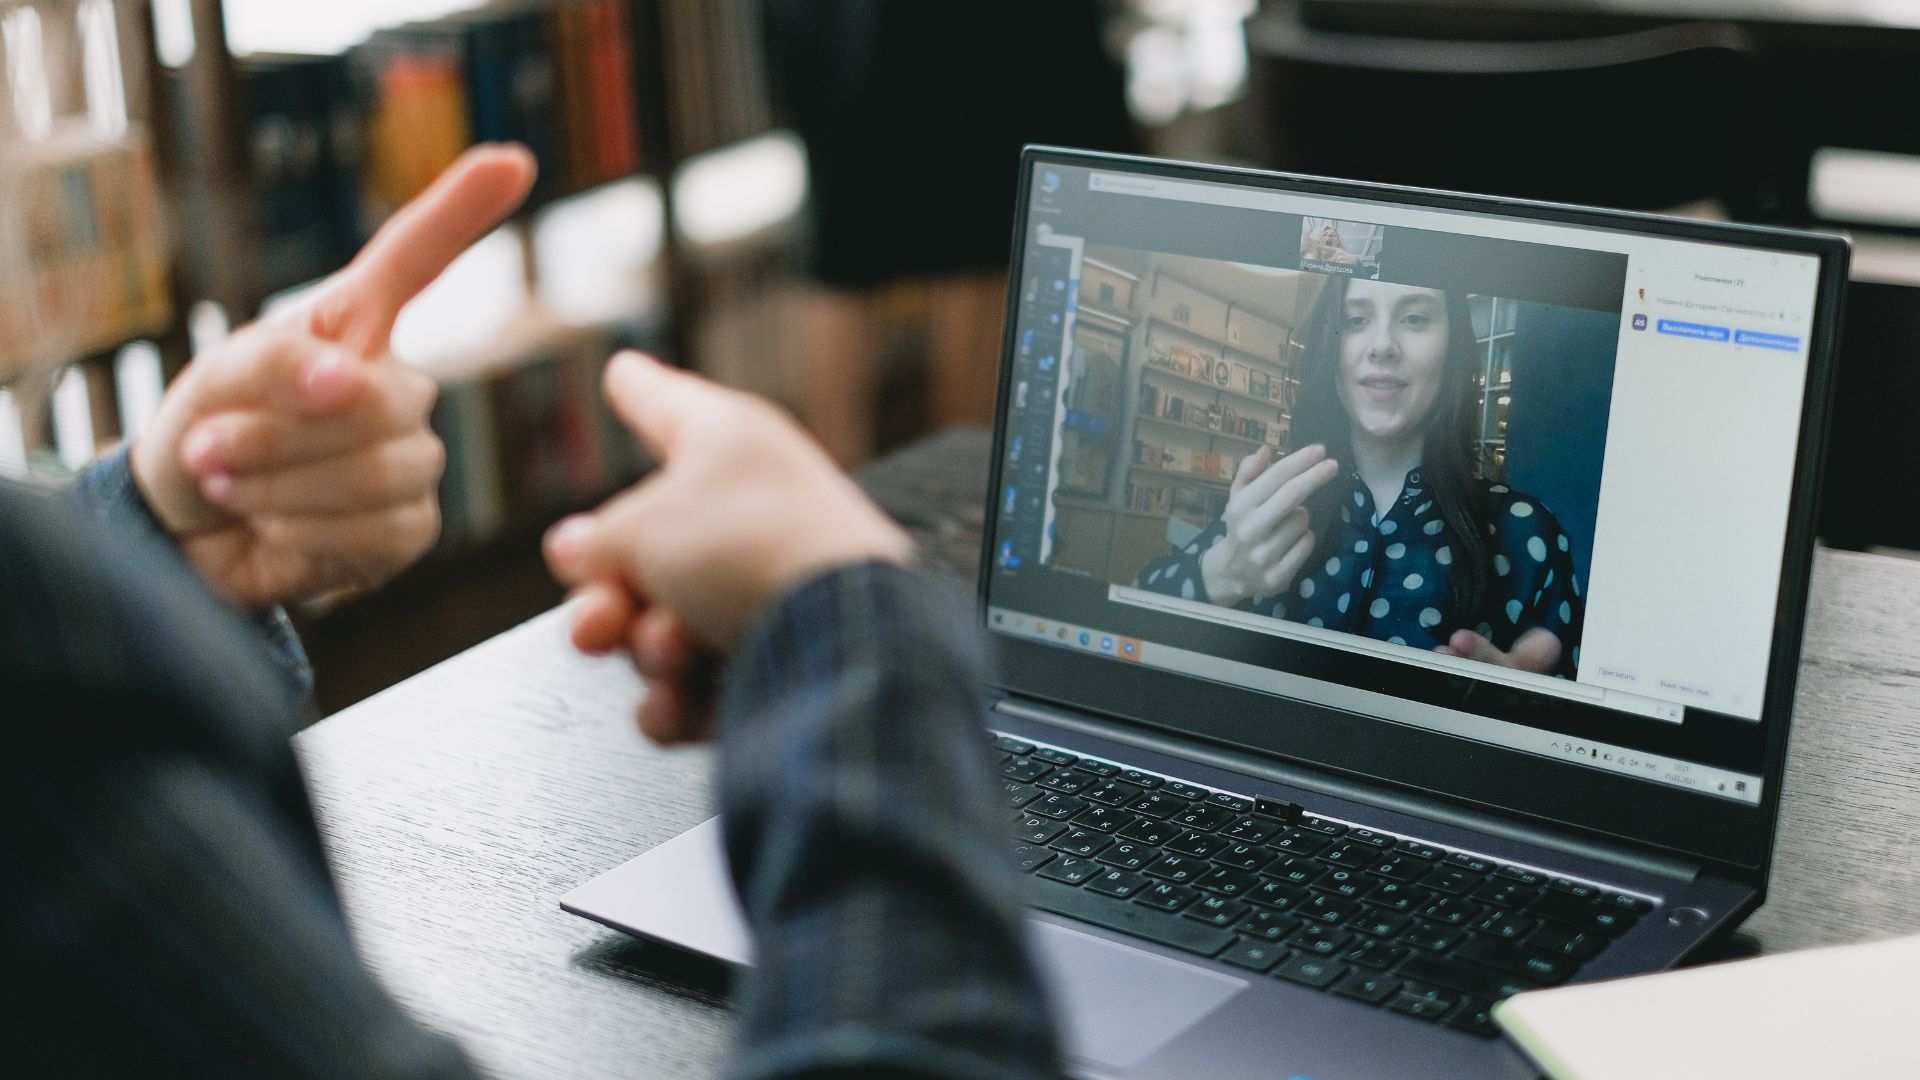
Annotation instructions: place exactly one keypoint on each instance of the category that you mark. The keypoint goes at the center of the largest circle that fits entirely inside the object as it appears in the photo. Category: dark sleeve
(1178, 573)
(856, 791)
(106, 489)
(1535, 583)
(164, 915)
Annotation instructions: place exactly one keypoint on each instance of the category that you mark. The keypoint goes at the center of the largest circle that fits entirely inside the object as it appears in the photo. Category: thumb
(664, 405)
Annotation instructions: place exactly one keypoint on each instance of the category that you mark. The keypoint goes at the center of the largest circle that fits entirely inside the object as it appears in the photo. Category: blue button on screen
(1782, 342)
(1700, 331)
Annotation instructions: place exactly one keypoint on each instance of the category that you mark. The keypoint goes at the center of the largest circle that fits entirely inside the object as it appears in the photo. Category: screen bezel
(1735, 839)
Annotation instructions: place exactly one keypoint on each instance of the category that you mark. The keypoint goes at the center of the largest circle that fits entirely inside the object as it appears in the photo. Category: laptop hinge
(1341, 787)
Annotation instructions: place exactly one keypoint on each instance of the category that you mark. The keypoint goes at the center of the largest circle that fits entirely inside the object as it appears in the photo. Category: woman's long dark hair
(1449, 465)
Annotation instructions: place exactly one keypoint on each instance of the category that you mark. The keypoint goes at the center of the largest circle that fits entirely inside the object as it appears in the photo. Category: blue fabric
(1391, 577)
(107, 489)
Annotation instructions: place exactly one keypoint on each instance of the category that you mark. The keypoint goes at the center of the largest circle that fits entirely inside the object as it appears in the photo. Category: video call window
(1414, 465)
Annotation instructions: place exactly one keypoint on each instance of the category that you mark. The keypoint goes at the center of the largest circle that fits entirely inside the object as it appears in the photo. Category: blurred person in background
(913, 115)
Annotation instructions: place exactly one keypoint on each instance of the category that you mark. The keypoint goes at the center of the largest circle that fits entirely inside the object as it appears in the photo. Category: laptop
(1397, 599)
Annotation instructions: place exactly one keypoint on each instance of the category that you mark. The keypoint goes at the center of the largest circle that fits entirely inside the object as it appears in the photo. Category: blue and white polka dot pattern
(1531, 581)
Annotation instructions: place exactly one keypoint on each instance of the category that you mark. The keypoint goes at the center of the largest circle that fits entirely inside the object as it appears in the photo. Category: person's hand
(1267, 538)
(295, 457)
(744, 509)
(1537, 650)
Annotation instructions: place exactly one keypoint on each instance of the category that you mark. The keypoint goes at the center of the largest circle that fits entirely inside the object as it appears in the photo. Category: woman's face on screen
(1393, 352)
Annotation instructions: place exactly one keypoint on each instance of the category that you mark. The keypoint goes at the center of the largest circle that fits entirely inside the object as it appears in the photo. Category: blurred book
(1822, 1012)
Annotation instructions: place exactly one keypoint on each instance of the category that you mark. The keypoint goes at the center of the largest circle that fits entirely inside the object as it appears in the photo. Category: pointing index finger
(476, 193)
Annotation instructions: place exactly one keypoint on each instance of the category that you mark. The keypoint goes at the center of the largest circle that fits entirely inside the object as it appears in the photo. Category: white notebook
(1852, 1011)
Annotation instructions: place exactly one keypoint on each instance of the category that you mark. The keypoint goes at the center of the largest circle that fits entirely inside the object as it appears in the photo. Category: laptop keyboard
(1427, 931)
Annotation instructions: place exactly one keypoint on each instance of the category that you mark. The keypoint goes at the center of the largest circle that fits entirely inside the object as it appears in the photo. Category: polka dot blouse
(1390, 577)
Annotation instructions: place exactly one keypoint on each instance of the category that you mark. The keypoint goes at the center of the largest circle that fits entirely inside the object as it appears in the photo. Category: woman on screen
(1379, 525)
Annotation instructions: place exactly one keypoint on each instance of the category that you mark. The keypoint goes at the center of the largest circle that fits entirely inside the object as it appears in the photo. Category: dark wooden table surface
(459, 806)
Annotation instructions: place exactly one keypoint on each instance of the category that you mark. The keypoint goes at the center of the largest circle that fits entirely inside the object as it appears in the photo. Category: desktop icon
(1639, 322)
(1050, 181)
(1129, 649)
(1106, 644)
(1086, 638)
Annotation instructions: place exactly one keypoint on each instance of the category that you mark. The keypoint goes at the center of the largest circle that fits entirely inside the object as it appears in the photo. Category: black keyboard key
(1371, 838)
(1398, 896)
(1204, 818)
(1070, 870)
(1450, 879)
(1112, 793)
(1508, 894)
(1356, 855)
(1371, 987)
(1056, 757)
(1373, 953)
(1422, 1006)
(1473, 863)
(1144, 779)
(1084, 843)
(1269, 925)
(1400, 868)
(1197, 844)
(1026, 770)
(1030, 857)
(1376, 923)
(1130, 855)
(1104, 819)
(1505, 925)
(1320, 939)
(1249, 830)
(1037, 830)
(1097, 768)
(1186, 791)
(1466, 978)
(1230, 802)
(1165, 896)
(1277, 895)
(1056, 806)
(1432, 937)
(1320, 825)
(1149, 831)
(1524, 877)
(1544, 968)
(1636, 904)
(1451, 911)
(1012, 745)
(1326, 908)
(1066, 781)
(1475, 1017)
(1299, 843)
(1296, 871)
(1179, 869)
(1308, 970)
(1018, 795)
(1244, 856)
(1418, 850)
(1227, 881)
(1582, 914)
(1216, 911)
(1119, 884)
(1254, 954)
(1554, 938)
(1579, 890)
(1344, 882)
(1134, 918)
(1157, 805)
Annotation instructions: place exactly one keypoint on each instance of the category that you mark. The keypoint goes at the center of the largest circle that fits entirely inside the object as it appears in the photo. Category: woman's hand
(1266, 539)
(745, 508)
(1537, 650)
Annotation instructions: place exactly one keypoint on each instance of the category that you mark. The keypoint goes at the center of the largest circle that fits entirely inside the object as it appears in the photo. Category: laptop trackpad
(1117, 1004)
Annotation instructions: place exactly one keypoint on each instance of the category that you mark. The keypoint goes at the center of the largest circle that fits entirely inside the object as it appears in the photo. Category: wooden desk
(459, 805)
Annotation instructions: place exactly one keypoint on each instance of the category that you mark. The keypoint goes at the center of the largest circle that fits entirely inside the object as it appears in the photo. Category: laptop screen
(1516, 481)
